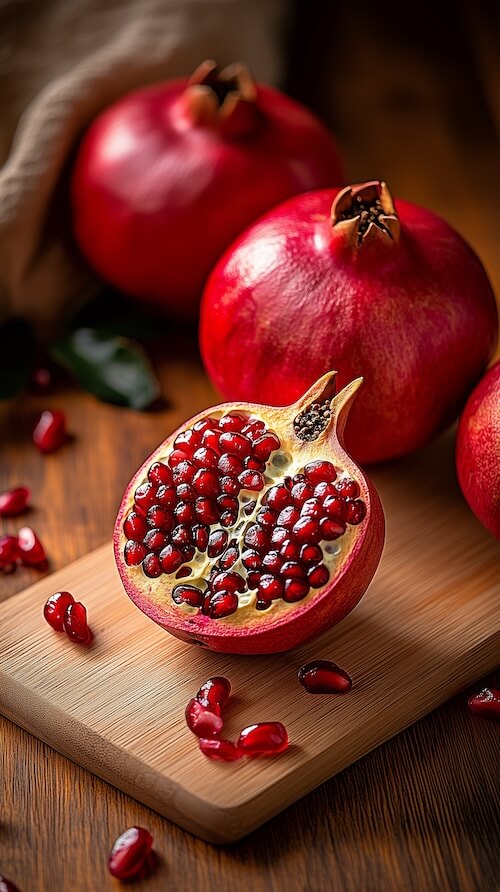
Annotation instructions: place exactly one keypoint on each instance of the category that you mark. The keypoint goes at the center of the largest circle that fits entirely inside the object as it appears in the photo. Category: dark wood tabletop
(414, 102)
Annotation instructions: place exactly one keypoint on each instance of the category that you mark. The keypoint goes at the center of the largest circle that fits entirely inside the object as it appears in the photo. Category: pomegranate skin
(160, 190)
(478, 451)
(295, 296)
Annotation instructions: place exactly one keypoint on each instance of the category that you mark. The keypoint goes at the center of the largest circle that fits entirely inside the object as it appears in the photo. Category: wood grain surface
(412, 101)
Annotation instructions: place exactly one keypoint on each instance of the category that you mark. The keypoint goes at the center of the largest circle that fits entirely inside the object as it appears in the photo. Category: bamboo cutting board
(428, 626)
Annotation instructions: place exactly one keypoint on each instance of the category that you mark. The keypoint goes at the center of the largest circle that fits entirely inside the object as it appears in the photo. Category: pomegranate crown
(223, 99)
(367, 212)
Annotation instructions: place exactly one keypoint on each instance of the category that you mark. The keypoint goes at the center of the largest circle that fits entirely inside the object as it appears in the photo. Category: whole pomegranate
(345, 279)
(249, 529)
(478, 451)
(167, 177)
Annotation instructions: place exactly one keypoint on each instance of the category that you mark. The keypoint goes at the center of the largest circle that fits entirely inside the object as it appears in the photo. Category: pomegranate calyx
(321, 410)
(366, 211)
(225, 98)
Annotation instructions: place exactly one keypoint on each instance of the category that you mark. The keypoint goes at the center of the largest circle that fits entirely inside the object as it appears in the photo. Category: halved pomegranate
(250, 529)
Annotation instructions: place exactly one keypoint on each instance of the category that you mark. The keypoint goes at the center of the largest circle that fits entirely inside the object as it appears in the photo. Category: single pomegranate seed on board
(9, 551)
(214, 692)
(7, 885)
(130, 853)
(324, 677)
(31, 550)
(55, 609)
(220, 750)
(14, 501)
(50, 431)
(202, 721)
(75, 623)
(486, 704)
(160, 473)
(263, 739)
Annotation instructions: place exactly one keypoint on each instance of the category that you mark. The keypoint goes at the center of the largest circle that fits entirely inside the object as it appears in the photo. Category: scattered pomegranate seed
(220, 750)
(263, 739)
(215, 692)
(130, 853)
(486, 704)
(7, 885)
(55, 609)
(9, 552)
(202, 721)
(75, 624)
(324, 677)
(31, 550)
(14, 501)
(50, 432)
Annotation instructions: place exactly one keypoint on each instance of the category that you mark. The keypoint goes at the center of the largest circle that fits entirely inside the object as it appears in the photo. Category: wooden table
(420, 813)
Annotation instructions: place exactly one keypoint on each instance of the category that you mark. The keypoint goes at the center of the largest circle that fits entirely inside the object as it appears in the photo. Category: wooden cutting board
(428, 626)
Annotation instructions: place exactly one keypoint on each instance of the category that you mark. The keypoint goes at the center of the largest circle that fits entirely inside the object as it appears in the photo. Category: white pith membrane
(280, 465)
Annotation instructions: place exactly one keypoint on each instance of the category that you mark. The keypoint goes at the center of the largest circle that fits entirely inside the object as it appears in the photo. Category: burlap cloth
(61, 62)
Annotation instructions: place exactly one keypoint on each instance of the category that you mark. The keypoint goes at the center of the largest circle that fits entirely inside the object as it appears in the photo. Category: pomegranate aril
(232, 422)
(222, 604)
(279, 535)
(335, 508)
(251, 559)
(235, 443)
(228, 581)
(14, 501)
(7, 885)
(229, 485)
(230, 465)
(187, 594)
(297, 478)
(266, 444)
(229, 558)
(331, 529)
(189, 440)
(169, 560)
(318, 576)
(215, 692)
(300, 493)
(206, 482)
(50, 431)
(31, 550)
(311, 554)
(255, 537)
(253, 579)
(145, 496)
(75, 623)
(254, 429)
(228, 519)
(130, 853)
(324, 677)
(307, 530)
(254, 464)
(134, 553)
(251, 480)
(210, 440)
(277, 497)
(262, 605)
(205, 457)
(200, 536)
(188, 552)
(55, 608)
(228, 503)
(290, 550)
(159, 517)
(273, 561)
(9, 551)
(347, 488)
(269, 588)
(184, 472)
(167, 496)
(266, 517)
(486, 704)
(320, 471)
(288, 517)
(183, 572)
(220, 750)
(135, 526)
(155, 540)
(324, 490)
(355, 511)
(152, 566)
(217, 543)
(184, 512)
(160, 474)
(185, 492)
(250, 508)
(206, 510)
(205, 424)
(263, 739)
(312, 508)
(295, 590)
(292, 570)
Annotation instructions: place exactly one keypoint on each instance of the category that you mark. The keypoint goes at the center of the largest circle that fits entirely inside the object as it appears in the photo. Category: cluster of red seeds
(64, 614)
(204, 719)
(25, 546)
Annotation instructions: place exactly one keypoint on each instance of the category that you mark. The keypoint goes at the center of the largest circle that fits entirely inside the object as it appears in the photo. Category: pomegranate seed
(264, 739)
(307, 530)
(347, 488)
(323, 490)
(50, 431)
(205, 424)
(134, 553)
(170, 559)
(324, 677)
(254, 429)
(297, 478)
(236, 444)
(292, 570)
(155, 540)
(486, 704)
(335, 508)
(215, 692)
(31, 550)
(189, 440)
(75, 623)
(55, 608)
(312, 508)
(167, 496)
(311, 554)
(232, 422)
(184, 472)
(318, 576)
(130, 853)
(221, 750)
(159, 474)
(228, 519)
(184, 512)
(251, 480)
(145, 496)
(251, 559)
(177, 457)
(187, 594)
(295, 590)
(227, 581)
(265, 445)
(7, 885)
(205, 457)
(269, 588)
(254, 464)
(230, 465)
(206, 510)
(228, 503)
(290, 550)
(160, 518)
(262, 605)
(151, 566)
(217, 543)
(331, 529)
(42, 381)
(14, 501)
(279, 535)
(229, 558)
(319, 471)
(230, 486)
(185, 492)
(277, 497)
(9, 551)
(135, 526)
(266, 517)
(300, 493)
(250, 508)
(288, 517)
(202, 721)
(255, 537)
(273, 561)
(206, 483)
(222, 603)
(188, 552)
(210, 440)
(356, 511)
(200, 536)
(253, 579)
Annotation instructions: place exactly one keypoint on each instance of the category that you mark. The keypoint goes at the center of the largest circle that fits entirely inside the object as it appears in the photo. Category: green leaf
(17, 355)
(114, 369)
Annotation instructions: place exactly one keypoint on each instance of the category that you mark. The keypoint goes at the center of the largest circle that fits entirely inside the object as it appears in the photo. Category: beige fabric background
(61, 62)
